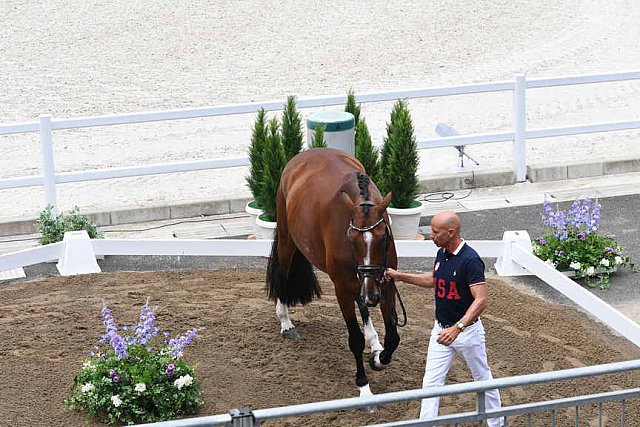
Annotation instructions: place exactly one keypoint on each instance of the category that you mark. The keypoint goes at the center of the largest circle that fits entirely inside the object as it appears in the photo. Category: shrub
(274, 162)
(365, 152)
(572, 243)
(399, 159)
(133, 376)
(291, 129)
(256, 153)
(52, 227)
(317, 139)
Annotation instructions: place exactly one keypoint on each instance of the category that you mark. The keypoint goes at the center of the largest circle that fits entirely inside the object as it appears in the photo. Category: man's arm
(480, 302)
(479, 292)
(424, 280)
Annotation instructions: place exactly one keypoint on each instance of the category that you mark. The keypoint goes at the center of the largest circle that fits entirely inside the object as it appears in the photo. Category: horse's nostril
(372, 301)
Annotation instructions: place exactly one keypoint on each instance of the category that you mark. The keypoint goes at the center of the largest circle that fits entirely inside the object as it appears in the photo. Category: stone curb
(432, 184)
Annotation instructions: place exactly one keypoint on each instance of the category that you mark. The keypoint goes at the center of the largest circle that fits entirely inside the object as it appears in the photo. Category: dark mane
(363, 184)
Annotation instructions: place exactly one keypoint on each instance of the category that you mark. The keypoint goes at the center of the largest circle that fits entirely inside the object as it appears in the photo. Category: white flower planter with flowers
(573, 245)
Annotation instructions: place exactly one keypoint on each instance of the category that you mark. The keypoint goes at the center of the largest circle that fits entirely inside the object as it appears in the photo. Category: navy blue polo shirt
(453, 276)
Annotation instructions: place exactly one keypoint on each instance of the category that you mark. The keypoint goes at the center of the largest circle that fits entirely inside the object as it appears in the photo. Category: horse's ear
(347, 200)
(386, 201)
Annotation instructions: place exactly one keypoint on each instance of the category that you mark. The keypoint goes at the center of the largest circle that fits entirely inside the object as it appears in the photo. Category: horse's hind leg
(371, 338)
(286, 327)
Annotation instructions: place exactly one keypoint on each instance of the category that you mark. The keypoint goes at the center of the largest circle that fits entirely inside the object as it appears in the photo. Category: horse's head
(370, 236)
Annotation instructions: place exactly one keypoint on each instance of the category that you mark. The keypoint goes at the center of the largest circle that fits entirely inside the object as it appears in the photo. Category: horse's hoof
(369, 409)
(374, 361)
(291, 334)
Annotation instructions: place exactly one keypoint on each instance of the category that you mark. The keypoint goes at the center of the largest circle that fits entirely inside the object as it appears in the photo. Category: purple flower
(608, 250)
(169, 370)
(582, 235)
(541, 241)
(178, 344)
(115, 340)
(114, 376)
(146, 329)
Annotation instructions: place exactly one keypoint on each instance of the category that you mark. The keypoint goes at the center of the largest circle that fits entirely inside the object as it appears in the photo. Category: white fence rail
(519, 86)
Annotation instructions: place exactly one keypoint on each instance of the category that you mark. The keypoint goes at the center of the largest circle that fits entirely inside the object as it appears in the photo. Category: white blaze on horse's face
(369, 291)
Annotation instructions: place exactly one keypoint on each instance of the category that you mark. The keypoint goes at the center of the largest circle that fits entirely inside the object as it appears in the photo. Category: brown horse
(332, 216)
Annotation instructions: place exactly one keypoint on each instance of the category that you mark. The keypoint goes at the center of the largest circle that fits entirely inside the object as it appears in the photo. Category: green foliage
(572, 243)
(399, 159)
(317, 139)
(256, 153)
(134, 376)
(366, 152)
(291, 129)
(273, 163)
(353, 108)
(52, 227)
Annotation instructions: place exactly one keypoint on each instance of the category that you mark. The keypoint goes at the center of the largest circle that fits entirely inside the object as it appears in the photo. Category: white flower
(86, 388)
(575, 265)
(116, 400)
(551, 263)
(618, 260)
(591, 271)
(88, 365)
(185, 380)
(141, 387)
(604, 262)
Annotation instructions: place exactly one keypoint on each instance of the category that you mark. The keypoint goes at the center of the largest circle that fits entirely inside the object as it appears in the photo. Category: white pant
(470, 343)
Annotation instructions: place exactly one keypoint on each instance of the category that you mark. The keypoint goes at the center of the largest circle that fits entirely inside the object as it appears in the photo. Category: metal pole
(48, 168)
(243, 417)
(520, 121)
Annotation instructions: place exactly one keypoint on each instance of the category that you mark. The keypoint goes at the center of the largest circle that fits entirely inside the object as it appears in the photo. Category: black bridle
(377, 271)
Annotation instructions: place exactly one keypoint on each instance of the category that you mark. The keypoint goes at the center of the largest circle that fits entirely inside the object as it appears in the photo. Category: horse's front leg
(390, 316)
(356, 340)
(371, 338)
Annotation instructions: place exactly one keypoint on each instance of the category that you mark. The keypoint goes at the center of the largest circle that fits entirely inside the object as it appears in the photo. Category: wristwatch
(460, 326)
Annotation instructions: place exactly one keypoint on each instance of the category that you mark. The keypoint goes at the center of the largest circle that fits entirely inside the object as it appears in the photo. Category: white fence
(519, 135)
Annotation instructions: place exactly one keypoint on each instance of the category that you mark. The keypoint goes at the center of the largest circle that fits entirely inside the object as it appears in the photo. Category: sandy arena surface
(80, 58)
(47, 326)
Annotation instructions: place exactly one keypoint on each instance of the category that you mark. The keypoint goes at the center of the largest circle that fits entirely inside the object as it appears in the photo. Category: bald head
(446, 220)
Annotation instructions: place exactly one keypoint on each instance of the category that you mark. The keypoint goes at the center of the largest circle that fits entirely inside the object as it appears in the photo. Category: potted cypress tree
(256, 150)
(291, 129)
(399, 172)
(274, 161)
(365, 152)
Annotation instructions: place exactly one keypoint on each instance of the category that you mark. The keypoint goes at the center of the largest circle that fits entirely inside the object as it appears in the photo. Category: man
(460, 297)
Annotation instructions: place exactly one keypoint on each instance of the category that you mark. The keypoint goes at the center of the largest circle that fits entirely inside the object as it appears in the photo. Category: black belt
(443, 326)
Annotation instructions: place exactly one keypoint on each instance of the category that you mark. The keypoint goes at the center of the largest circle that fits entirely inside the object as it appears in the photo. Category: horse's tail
(300, 286)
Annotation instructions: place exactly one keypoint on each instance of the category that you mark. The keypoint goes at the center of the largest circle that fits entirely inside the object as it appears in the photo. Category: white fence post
(77, 255)
(520, 121)
(505, 266)
(48, 168)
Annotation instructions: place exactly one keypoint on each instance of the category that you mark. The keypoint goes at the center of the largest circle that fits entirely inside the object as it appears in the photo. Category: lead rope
(404, 310)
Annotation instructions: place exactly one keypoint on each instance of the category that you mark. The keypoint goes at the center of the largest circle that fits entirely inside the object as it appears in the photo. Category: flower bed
(134, 376)
(572, 243)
